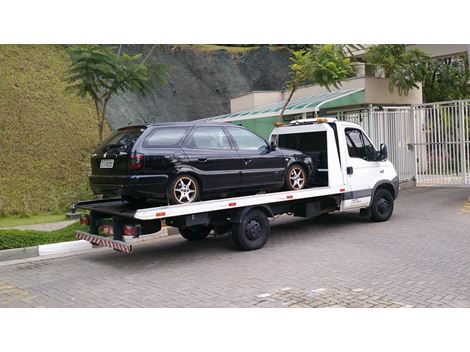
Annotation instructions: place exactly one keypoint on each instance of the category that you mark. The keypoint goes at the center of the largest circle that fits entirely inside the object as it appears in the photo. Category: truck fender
(392, 186)
(239, 215)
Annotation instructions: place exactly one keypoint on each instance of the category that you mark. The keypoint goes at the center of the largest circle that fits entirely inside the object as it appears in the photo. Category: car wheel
(295, 178)
(195, 233)
(382, 205)
(184, 189)
(252, 232)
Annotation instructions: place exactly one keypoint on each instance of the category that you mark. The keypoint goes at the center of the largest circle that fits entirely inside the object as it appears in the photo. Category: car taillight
(136, 161)
(84, 219)
(130, 230)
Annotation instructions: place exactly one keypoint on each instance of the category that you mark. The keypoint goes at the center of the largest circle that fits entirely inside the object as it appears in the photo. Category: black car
(188, 161)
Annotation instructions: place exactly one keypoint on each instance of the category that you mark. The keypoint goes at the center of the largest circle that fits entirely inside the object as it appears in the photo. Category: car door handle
(203, 160)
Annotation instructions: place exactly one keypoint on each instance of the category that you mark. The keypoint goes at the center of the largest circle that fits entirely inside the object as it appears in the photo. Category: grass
(18, 239)
(18, 220)
(46, 134)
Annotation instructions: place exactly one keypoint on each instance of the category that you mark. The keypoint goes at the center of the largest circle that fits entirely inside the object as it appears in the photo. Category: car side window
(358, 145)
(209, 138)
(247, 140)
(166, 137)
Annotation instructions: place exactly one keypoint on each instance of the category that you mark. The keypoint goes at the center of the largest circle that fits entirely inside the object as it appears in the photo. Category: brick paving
(419, 258)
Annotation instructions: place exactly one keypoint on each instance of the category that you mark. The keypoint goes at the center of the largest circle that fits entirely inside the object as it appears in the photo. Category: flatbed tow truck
(352, 175)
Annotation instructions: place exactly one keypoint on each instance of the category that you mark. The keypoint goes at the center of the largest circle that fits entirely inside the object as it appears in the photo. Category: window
(358, 145)
(313, 144)
(123, 139)
(247, 140)
(209, 138)
(166, 137)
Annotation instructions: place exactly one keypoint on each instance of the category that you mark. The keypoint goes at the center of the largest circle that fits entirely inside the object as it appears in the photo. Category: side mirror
(383, 153)
(273, 145)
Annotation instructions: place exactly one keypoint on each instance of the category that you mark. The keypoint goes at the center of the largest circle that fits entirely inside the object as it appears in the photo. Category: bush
(19, 238)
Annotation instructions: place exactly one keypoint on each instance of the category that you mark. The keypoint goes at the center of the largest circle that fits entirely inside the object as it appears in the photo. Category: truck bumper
(104, 241)
(396, 185)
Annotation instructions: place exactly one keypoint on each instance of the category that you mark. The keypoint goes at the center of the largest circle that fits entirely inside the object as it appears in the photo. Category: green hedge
(28, 238)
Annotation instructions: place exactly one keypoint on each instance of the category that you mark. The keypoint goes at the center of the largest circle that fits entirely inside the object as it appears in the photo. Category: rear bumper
(104, 241)
(137, 186)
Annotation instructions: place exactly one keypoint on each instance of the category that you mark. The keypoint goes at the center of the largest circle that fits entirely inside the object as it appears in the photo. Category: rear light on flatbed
(131, 230)
(136, 161)
(84, 219)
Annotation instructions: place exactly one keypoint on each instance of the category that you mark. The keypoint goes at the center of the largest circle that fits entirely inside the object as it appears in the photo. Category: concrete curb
(72, 246)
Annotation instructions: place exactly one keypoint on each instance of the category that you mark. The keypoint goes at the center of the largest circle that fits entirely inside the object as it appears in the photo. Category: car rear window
(124, 138)
(166, 137)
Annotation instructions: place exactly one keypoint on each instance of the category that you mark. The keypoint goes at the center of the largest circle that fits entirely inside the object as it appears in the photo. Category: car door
(213, 158)
(260, 164)
(362, 168)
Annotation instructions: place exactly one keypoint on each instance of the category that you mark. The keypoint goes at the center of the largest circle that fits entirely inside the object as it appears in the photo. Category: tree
(326, 65)
(442, 79)
(102, 71)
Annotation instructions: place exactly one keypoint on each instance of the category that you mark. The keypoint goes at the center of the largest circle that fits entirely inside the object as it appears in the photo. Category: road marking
(264, 295)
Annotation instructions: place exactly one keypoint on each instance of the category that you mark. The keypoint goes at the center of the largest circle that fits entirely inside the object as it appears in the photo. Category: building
(259, 110)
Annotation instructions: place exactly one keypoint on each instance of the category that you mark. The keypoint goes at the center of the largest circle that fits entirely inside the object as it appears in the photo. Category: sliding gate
(442, 143)
(429, 143)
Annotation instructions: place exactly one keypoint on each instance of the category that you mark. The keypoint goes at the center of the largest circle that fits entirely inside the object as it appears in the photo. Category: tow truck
(352, 174)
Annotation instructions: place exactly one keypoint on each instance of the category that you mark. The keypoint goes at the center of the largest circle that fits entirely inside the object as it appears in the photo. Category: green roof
(298, 105)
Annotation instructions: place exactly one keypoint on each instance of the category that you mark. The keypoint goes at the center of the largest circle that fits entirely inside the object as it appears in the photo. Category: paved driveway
(419, 258)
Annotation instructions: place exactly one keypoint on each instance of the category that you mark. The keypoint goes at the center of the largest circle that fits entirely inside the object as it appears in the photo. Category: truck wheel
(382, 205)
(295, 178)
(195, 233)
(252, 232)
(183, 189)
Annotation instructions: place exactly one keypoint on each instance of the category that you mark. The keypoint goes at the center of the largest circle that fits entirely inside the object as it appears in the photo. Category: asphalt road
(419, 258)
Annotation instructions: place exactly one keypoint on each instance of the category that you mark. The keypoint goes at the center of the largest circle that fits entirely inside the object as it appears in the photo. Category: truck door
(361, 168)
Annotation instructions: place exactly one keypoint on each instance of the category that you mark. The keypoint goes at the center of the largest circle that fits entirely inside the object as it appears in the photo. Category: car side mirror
(272, 145)
(383, 153)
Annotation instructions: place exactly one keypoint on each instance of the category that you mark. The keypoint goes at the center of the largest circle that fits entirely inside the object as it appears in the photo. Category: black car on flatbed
(187, 161)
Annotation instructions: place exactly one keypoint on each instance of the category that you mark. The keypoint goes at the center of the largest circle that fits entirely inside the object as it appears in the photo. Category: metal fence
(394, 127)
(429, 143)
(442, 143)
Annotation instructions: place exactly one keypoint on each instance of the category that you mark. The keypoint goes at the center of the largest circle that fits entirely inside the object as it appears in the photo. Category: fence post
(463, 158)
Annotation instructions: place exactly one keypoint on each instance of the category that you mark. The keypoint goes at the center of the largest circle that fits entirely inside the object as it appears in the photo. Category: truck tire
(252, 232)
(381, 208)
(195, 233)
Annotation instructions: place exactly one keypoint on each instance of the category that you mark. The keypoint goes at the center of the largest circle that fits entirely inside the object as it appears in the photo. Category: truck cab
(343, 155)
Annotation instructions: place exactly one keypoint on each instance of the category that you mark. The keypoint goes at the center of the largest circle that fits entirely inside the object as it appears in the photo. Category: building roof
(311, 103)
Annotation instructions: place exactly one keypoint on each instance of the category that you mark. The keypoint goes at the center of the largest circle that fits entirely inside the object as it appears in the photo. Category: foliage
(442, 79)
(46, 136)
(101, 71)
(326, 65)
(28, 238)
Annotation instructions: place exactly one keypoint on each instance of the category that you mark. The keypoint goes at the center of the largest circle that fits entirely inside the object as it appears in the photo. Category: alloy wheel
(185, 190)
(297, 178)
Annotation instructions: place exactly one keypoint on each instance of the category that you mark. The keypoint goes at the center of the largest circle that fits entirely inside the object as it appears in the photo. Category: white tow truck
(351, 175)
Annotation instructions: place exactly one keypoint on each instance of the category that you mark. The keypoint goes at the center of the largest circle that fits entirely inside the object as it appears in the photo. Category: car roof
(181, 123)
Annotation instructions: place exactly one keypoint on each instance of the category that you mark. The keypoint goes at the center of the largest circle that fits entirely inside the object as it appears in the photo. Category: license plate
(106, 163)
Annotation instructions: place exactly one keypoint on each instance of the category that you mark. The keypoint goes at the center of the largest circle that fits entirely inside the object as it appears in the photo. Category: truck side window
(358, 145)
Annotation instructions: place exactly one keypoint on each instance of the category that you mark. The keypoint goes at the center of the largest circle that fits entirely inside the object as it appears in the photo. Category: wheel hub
(254, 230)
(185, 190)
(382, 206)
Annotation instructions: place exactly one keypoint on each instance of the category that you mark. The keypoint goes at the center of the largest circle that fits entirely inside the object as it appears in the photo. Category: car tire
(381, 208)
(296, 178)
(195, 233)
(252, 232)
(184, 189)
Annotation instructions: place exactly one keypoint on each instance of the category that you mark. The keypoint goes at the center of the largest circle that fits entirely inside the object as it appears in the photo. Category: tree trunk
(281, 115)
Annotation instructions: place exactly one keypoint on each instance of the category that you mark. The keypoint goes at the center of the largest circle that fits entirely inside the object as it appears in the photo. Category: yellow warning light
(322, 120)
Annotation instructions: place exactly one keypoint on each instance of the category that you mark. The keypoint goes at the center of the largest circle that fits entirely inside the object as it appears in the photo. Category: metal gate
(429, 143)
(442, 143)
(394, 127)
